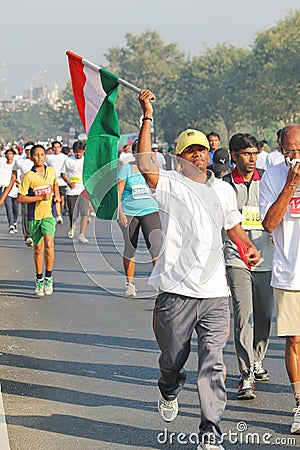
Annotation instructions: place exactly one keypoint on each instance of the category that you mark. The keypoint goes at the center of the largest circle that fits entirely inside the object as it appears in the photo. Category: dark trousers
(175, 319)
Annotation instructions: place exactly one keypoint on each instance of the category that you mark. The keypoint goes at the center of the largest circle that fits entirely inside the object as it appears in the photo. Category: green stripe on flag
(101, 155)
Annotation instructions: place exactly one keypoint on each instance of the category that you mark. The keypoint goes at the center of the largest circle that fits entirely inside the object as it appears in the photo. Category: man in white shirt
(57, 160)
(280, 214)
(262, 156)
(158, 157)
(9, 191)
(190, 273)
(275, 157)
(20, 167)
(72, 171)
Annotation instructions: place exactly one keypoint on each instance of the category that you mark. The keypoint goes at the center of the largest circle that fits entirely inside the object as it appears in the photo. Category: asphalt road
(79, 368)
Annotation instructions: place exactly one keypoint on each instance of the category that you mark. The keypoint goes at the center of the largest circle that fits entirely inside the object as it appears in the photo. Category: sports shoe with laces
(246, 389)
(295, 428)
(11, 229)
(167, 409)
(71, 233)
(59, 219)
(48, 286)
(83, 239)
(260, 373)
(210, 447)
(39, 288)
(130, 290)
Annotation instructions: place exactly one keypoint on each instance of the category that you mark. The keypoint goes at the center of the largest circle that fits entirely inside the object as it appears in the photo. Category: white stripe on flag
(94, 95)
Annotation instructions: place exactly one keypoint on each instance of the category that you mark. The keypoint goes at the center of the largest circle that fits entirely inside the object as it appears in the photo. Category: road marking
(4, 442)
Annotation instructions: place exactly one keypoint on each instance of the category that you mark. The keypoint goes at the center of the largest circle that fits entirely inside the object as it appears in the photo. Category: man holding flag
(190, 274)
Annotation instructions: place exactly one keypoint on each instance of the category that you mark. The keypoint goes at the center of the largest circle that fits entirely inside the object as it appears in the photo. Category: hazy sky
(36, 34)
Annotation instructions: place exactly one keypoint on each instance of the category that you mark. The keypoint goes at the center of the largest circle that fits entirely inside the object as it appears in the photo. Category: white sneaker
(130, 290)
(29, 242)
(11, 229)
(48, 286)
(59, 219)
(210, 447)
(83, 239)
(295, 428)
(167, 409)
(39, 288)
(71, 233)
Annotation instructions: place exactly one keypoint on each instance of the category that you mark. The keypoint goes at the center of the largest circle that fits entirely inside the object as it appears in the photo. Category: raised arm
(278, 209)
(149, 170)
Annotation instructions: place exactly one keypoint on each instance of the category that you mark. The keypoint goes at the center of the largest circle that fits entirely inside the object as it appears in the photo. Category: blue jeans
(12, 210)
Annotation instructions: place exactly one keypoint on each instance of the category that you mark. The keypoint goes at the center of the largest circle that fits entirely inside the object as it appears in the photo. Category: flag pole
(96, 68)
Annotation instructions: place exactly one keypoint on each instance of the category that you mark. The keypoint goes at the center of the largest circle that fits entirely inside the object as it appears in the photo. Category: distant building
(32, 96)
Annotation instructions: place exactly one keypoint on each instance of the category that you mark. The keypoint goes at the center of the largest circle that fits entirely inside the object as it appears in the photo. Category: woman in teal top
(137, 210)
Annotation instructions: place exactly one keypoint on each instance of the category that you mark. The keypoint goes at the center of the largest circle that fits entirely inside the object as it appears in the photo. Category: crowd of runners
(229, 222)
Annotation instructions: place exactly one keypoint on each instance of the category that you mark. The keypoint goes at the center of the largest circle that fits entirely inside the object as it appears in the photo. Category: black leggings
(151, 229)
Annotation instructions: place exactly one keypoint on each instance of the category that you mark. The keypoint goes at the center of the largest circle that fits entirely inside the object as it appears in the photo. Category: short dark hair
(213, 133)
(65, 150)
(56, 142)
(240, 141)
(9, 150)
(78, 145)
(33, 149)
(134, 146)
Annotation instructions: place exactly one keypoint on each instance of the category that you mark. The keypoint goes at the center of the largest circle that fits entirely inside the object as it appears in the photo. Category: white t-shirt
(191, 261)
(22, 166)
(274, 158)
(286, 259)
(57, 161)
(261, 160)
(73, 168)
(5, 177)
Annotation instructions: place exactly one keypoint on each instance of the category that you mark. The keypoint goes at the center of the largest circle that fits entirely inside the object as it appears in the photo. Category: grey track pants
(175, 318)
(252, 298)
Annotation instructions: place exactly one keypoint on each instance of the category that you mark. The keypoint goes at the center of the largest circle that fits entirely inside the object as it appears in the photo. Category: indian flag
(95, 91)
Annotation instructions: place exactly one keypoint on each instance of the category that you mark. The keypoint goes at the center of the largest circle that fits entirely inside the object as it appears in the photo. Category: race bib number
(295, 207)
(76, 179)
(294, 204)
(251, 218)
(140, 191)
(42, 190)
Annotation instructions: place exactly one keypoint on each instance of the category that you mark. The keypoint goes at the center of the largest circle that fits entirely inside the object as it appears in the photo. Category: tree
(276, 68)
(223, 89)
(64, 114)
(146, 62)
(30, 123)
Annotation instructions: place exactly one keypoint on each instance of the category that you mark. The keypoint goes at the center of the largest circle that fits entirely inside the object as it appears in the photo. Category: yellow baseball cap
(191, 137)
